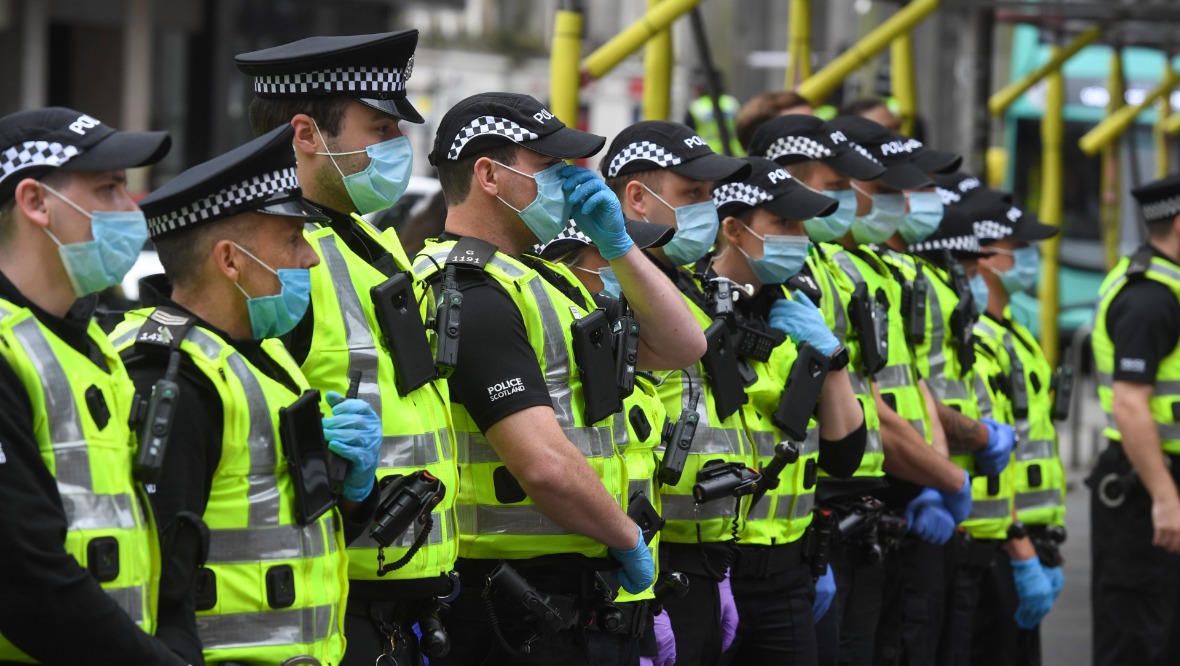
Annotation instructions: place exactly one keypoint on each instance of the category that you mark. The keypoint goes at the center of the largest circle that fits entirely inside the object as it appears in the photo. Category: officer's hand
(825, 591)
(993, 458)
(353, 432)
(959, 503)
(729, 613)
(1056, 579)
(928, 519)
(665, 640)
(597, 211)
(1035, 592)
(1165, 518)
(801, 321)
(639, 570)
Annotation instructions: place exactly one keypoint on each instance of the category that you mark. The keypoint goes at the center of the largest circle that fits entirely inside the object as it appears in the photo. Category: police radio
(916, 294)
(157, 424)
(1017, 384)
(405, 336)
(446, 313)
(626, 344)
(677, 440)
(963, 316)
(871, 333)
(1063, 397)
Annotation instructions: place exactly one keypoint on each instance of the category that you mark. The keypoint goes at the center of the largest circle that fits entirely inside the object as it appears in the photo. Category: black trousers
(1135, 586)
(845, 635)
(912, 606)
(696, 622)
(775, 625)
(367, 640)
(981, 606)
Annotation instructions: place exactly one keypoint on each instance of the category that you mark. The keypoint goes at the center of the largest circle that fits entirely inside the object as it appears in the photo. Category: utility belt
(766, 561)
(1114, 479)
(697, 559)
(967, 551)
(864, 526)
(627, 618)
(394, 621)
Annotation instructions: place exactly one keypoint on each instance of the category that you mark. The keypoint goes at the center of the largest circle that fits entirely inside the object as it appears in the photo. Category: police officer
(80, 550)
(1135, 511)
(345, 96)
(542, 484)
(273, 583)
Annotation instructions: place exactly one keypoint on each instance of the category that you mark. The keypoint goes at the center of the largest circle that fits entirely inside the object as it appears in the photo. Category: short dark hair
(858, 106)
(1160, 229)
(182, 252)
(57, 179)
(454, 176)
(650, 177)
(762, 108)
(267, 114)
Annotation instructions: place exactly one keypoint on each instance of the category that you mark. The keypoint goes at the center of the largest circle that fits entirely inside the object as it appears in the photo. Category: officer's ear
(485, 175)
(227, 259)
(29, 199)
(307, 140)
(732, 229)
(636, 196)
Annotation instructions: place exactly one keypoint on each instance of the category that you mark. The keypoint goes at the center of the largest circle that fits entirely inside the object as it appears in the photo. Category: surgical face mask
(924, 217)
(547, 214)
(384, 181)
(610, 282)
(272, 316)
(827, 229)
(782, 257)
(882, 221)
(1026, 266)
(979, 292)
(696, 231)
(103, 262)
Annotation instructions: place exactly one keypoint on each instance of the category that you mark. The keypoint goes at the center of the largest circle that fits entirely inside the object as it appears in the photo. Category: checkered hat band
(797, 145)
(954, 243)
(489, 125)
(991, 230)
(338, 80)
(1164, 209)
(743, 193)
(949, 197)
(864, 152)
(35, 153)
(642, 150)
(232, 198)
(570, 232)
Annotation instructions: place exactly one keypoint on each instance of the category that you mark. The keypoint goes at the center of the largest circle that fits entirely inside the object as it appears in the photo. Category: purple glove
(729, 613)
(665, 641)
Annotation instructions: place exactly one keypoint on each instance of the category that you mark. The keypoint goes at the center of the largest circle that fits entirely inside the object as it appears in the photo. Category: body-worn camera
(1064, 392)
(447, 309)
(870, 325)
(677, 442)
(404, 499)
(718, 479)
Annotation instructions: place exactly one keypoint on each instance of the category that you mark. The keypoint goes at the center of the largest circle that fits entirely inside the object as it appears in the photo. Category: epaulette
(1140, 262)
(164, 329)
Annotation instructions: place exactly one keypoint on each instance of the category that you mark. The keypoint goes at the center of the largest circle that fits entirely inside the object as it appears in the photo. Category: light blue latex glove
(928, 519)
(639, 570)
(665, 641)
(1035, 592)
(597, 211)
(1056, 579)
(729, 613)
(959, 503)
(353, 432)
(802, 322)
(825, 592)
(993, 458)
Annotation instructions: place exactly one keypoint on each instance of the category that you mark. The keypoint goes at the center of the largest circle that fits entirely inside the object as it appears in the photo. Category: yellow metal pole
(1159, 134)
(657, 73)
(1116, 123)
(564, 77)
(658, 18)
(1004, 98)
(1052, 180)
(901, 72)
(818, 86)
(1110, 208)
(799, 44)
(1172, 126)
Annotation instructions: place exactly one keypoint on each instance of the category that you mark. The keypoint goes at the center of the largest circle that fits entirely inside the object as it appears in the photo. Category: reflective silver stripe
(944, 388)
(840, 321)
(764, 443)
(407, 538)
(1038, 499)
(509, 269)
(849, 267)
(130, 599)
(920, 426)
(894, 376)
(263, 494)
(789, 507)
(873, 441)
(860, 385)
(413, 450)
(276, 627)
(805, 505)
(362, 348)
(1035, 449)
(1168, 431)
(86, 511)
(125, 338)
(522, 520)
(622, 437)
(707, 439)
(261, 544)
(936, 359)
(639, 486)
(684, 507)
(591, 443)
(810, 443)
(982, 397)
(988, 509)
(558, 363)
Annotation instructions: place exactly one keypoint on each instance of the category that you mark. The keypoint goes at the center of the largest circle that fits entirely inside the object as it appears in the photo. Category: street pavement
(1065, 632)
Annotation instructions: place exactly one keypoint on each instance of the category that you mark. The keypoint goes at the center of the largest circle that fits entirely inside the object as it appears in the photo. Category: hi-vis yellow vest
(91, 464)
(489, 528)
(642, 407)
(416, 428)
(1166, 391)
(252, 521)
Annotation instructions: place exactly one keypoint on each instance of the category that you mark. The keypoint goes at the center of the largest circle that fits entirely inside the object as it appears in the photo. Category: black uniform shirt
(1143, 321)
(50, 607)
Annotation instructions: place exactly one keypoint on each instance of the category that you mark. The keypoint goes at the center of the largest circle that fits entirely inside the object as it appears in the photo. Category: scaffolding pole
(657, 73)
(1052, 170)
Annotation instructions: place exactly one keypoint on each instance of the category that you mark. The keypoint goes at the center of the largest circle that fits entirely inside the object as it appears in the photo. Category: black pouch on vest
(102, 558)
(205, 589)
(862, 310)
(595, 357)
(302, 432)
(1064, 392)
(404, 333)
(721, 367)
(280, 586)
(644, 514)
(639, 422)
(801, 394)
(916, 295)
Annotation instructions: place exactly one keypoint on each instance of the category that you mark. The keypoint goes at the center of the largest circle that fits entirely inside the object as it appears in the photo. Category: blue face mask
(103, 262)
(882, 221)
(827, 229)
(696, 231)
(782, 257)
(384, 181)
(272, 316)
(924, 217)
(549, 211)
(610, 282)
(1026, 266)
(979, 292)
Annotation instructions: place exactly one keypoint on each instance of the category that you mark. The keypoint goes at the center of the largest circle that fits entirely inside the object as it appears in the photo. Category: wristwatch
(838, 359)
(1017, 530)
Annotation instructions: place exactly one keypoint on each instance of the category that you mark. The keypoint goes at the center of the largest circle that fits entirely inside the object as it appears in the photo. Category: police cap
(372, 69)
(769, 186)
(893, 150)
(997, 218)
(960, 186)
(643, 234)
(796, 138)
(661, 144)
(33, 143)
(1159, 200)
(492, 119)
(256, 177)
(956, 232)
